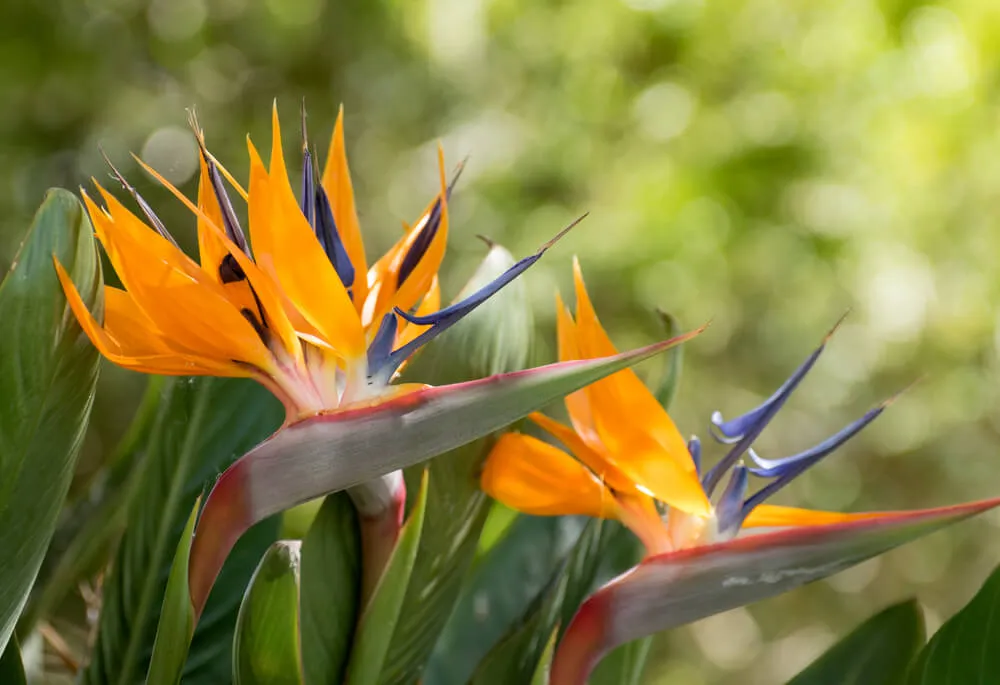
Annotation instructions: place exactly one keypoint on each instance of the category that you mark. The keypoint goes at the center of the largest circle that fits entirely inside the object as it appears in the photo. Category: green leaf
(878, 651)
(96, 522)
(531, 551)
(496, 338)
(201, 425)
(177, 617)
(11, 668)
(266, 644)
(964, 650)
(48, 369)
(379, 618)
(331, 587)
(541, 675)
(517, 656)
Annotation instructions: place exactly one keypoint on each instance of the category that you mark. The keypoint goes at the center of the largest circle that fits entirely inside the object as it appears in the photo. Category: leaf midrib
(163, 534)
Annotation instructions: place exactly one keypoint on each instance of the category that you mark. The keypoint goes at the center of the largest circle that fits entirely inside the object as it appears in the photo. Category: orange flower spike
(336, 182)
(286, 311)
(633, 425)
(287, 248)
(174, 292)
(267, 301)
(404, 275)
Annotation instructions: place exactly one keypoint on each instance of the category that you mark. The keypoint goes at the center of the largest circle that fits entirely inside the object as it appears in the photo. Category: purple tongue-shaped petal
(670, 590)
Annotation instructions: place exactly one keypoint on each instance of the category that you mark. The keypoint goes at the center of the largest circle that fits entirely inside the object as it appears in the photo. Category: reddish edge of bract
(613, 615)
(224, 518)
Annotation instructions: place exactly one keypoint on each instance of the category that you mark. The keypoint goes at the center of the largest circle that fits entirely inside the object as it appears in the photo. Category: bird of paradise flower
(627, 461)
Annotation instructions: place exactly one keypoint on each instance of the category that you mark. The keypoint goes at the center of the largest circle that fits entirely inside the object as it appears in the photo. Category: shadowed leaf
(47, 374)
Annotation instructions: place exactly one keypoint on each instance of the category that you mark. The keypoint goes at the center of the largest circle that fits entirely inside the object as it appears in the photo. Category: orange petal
(336, 182)
(286, 248)
(772, 515)
(405, 295)
(261, 293)
(186, 306)
(211, 248)
(577, 403)
(632, 424)
(133, 348)
(121, 226)
(600, 463)
(534, 477)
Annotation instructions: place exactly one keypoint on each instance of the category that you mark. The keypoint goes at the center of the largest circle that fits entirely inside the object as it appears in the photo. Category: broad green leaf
(518, 655)
(964, 650)
(378, 621)
(496, 338)
(201, 426)
(96, 521)
(331, 586)
(531, 551)
(11, 668)
(266, 643)
(47, 374)
(878, 651)
(672, 589)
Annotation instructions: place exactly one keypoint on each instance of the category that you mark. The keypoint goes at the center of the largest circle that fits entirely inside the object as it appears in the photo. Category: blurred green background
(766, 164)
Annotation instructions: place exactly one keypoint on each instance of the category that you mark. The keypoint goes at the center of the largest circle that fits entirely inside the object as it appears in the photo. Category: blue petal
(734, 429)
(326, 229)
(694, 449)
(423, 241)
(774, 468)
(730, 511)
(381, 345)
(786, 470)
(230, 223)
(743, 430)
(443, 319)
